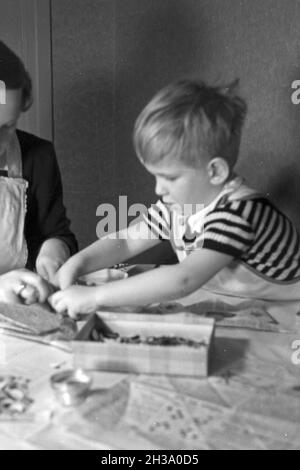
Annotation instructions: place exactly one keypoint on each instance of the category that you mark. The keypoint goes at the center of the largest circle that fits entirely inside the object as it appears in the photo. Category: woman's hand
(53, 254)
(76, 300)
(22, 286)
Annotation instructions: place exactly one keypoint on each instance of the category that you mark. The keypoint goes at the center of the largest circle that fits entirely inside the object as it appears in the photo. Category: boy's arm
(107, 252)
(162, 284)
(165, 283)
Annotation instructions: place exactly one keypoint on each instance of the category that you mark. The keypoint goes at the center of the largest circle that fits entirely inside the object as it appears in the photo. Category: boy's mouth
(168, 203)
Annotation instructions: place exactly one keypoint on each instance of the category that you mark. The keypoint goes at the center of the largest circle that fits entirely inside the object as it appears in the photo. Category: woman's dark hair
(14, 75)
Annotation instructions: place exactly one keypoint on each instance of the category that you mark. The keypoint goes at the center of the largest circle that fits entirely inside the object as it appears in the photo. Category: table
(251, 399)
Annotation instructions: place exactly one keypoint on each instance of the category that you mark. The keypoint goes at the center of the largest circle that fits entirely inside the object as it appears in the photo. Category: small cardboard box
(144, 358)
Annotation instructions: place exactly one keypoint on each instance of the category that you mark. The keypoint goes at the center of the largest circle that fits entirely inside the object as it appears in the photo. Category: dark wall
(25, 27)
(110, 56)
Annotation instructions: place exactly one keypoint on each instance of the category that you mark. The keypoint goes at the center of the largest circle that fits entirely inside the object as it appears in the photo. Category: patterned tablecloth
(251, 399)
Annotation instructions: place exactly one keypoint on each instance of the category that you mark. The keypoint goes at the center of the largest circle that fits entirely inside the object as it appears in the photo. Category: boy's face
(9, 115)
(179, 185)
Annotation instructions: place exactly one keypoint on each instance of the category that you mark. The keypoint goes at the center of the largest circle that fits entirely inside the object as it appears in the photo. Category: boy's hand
(75, 300)
(67, 275)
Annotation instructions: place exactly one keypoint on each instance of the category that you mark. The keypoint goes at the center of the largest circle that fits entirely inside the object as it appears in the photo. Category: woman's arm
(46, 219)
(107, 252)
(53, 254)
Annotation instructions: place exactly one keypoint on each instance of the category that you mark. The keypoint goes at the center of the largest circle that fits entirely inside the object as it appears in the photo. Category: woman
(34, 229)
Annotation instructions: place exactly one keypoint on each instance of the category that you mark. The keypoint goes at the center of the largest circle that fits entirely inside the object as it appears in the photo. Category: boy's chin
(175, 207)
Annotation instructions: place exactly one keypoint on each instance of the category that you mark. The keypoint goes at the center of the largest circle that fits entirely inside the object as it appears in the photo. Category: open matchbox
(142, 358)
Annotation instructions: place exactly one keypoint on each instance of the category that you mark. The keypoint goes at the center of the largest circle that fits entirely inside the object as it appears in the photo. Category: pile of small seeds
(148, 340)
(14, 396)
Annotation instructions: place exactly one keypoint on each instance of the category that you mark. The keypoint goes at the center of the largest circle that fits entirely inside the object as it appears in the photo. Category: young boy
(228, 237)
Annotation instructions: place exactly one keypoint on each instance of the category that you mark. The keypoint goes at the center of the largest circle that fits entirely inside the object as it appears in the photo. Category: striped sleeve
(158, 220)
(226, 231)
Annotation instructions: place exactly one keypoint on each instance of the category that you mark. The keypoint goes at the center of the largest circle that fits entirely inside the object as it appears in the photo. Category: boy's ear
(218, 171)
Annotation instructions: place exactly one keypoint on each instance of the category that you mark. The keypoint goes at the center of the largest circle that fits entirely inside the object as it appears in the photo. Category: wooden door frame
(37, 55)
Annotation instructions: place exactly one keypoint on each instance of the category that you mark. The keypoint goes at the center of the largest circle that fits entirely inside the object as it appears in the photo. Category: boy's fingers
(54, 300)
(65, 281)
(73, 314)
(66, 276)
(60, 305)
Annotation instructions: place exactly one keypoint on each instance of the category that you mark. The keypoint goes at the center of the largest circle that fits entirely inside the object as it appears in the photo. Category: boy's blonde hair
(190, 121)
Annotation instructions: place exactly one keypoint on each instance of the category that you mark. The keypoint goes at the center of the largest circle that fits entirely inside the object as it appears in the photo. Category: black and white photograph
(149, 227)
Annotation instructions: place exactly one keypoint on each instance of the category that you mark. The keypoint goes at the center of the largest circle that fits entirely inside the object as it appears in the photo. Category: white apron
(13, 247)
(238, 279)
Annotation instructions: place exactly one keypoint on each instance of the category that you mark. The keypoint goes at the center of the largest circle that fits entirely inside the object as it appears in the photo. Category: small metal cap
(71, 387)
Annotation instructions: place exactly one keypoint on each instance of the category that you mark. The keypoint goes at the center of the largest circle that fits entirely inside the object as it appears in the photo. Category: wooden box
(144, 358)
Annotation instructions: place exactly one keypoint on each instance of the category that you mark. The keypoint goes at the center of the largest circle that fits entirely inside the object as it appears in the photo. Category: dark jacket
(46, 215)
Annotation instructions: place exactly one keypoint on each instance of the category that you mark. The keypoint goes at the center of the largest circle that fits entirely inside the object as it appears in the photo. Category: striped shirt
(252, 231)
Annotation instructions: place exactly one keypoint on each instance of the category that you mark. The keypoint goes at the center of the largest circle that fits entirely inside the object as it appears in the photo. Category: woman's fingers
(29, 294)
(48, 268)
(23, 286)
(33, 281)
(11, 298)
(41, 271)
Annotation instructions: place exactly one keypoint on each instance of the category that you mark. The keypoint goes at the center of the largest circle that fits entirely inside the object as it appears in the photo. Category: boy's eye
(171, 178)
